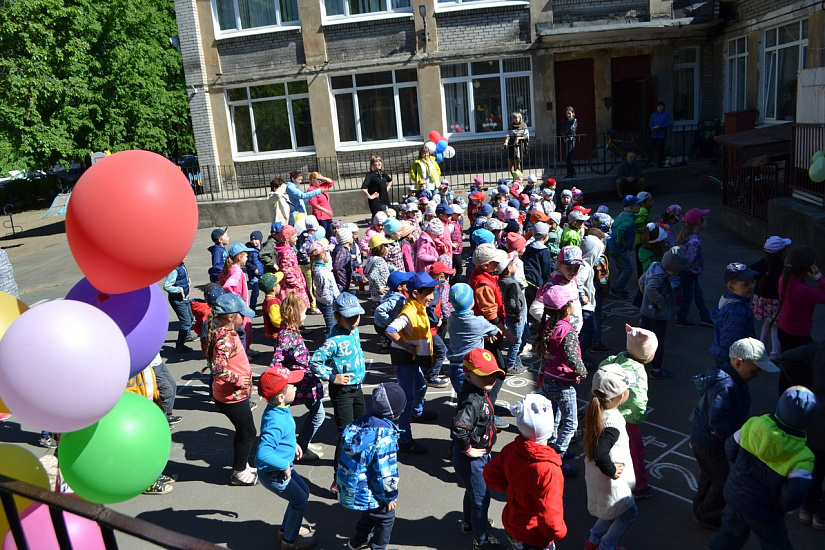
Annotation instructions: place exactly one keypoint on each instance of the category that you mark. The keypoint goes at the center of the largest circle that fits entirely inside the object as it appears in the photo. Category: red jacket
(487, 295)
(531, 476)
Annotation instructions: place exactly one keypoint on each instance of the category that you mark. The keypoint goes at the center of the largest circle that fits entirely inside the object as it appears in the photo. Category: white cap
(775, 244)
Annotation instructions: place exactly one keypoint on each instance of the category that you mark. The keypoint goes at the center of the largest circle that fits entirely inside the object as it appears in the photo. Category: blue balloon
(439, 157)
(440, 146)
(320, 233)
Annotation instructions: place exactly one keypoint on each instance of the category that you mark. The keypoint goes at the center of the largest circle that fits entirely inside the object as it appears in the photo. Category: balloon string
(100, 299)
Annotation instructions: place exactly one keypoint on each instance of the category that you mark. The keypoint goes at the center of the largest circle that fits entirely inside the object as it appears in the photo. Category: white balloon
(300, 225)
(449, 152)
(430, 147)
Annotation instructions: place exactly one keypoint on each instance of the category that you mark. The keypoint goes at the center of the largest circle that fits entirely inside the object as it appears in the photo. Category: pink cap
(693, 215)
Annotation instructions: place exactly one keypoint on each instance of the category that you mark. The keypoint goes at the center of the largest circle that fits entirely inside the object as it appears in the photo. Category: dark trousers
(254, 291)
(787, 342)
(736, 528)
(659, 151)
(659, 328)
(327, 225)
(379, 522)
(709, 502)
(439, 355)
(588, 331)
(458, 265)
(571, 145)
(815, 504)
(186, 320)
(493, 347)
(167, 387)
(347, 405)
(240, 415)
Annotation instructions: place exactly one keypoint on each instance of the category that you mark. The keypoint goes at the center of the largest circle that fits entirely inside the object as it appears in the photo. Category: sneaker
(685, 324)
(353, 545)
(309, 456)
(425, 417)
(568, 469)
(660, 374)
(304, 531)
(4, 416)
(818, 523)
(251, 352)
(158, 488)
(47, 441)
(515, 370)
(301, 543)
(384, 347)
(706, 323)
(527, 350)
(467, 529)
(647, 492)
(438, 382)
(168, 479)
(191, 337)
(314, 311)
(412, 448)
(183, 349)
(805, 516)
(317, 449)
(173, 419)
(247, 478)
(490, 543)
(253, 404)
(599, 348)
(501, 424)
(334, 489)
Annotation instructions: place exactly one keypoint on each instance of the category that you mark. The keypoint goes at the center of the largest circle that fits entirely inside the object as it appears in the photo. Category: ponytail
(687, 229)
(227, 265)
(211, 337)
(593, 426)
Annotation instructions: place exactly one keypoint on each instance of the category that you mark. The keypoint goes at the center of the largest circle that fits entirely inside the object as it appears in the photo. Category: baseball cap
(211, 293)
(515, 242)
(630, 200)
(775, 244)
(311, 223)
(577, 216)
(538, 216)
(511, 256)
(557, 296)
(256, 235)
(676, 211)
(231, 303)
(268, 281)
(218, 232)
(377, 240)
(797, 407)
(571, 255)
(531, 178)
(693, 215)
(441, 267)
(610, 381)
(540, 229)
(274, 380)
(456, 208)
(478, 196)
(421, 281)
(485, 210)
(486, 253)
(567, 193)
(737, 271)
(388, 400)
(643, 196)
(582, 209)
(494, 225)
(236, 248)
(398, 278)
(347, 305)
(276, 227)
(602, 220)
(481, 362)
(751, 349)
(443, 208)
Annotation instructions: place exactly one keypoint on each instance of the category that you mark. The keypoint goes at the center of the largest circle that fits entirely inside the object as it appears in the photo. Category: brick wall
(483, 29)
(596, 10)
(261, 56)
(369, 40)
(747, 9)
(711, 80)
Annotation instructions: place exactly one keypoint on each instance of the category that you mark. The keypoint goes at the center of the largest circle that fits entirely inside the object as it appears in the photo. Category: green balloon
(120, 455)
(818, 155)
(817, 170)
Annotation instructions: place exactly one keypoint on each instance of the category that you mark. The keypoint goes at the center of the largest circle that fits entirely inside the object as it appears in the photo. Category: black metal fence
(806, 139)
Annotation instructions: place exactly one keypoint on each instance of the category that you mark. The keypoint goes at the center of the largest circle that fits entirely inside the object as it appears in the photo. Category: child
(568, 266)
(202, 309)
(515, 307)
(326, 289)
(412, 354)
(267, 255)
(518, 244)
(391, 304)
(376, 268)
(592, 249)
(642, 219)
(438, 312)
(177, 285)
(670, 217)
(724, 405)
(607, 450)
(476, 199)
(233, 279)
(270, 283)
(394, 257)
(529, 471)
(368, 470)
(692, 290)
(473, 434)
(340, 361)
(798, 298)
(565, 203)
(276, 451)
(538, 264)
(288, 262)
(291, 352)
(232, 380)
(766, 291)
(733, 317)
(601, 279)
(558, 346)
(342, 258)
(573, 232)
(467, 331)
(554, 234)
(305, 240)
(254, 267)
(641, 347)
(620, 244)
(771, 473)
(220, 236)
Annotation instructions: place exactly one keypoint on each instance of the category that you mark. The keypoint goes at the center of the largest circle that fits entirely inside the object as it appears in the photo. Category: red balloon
(435, 137)
(131, 219)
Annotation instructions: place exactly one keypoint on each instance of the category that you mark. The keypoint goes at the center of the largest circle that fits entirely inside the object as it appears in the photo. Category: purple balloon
(142, 315)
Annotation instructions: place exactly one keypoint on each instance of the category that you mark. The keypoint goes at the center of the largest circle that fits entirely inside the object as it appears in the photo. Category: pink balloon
(63, 366)
(37, 525)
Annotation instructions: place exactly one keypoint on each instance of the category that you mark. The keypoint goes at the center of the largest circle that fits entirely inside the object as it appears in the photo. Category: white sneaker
(528, 350)
(805, 516)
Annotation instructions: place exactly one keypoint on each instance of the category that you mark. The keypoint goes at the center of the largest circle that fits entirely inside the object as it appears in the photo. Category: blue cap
(218, 233)
(256, 235)
(630, 200)
(485, 210)
(482, 236)
(276, 227)
(514, 203)
(443, 208)
(462, 297)
(601, 220)
(398, 278)
(391, 226)
(347, 305)
(211, 293)
(231, 303)
(420, 281)
(237, 248)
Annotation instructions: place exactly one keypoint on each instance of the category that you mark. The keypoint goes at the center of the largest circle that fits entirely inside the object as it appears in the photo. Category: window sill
(448, 7)
(272, 156)
(365, 18)
(467, 136)
(228, 35)
(377, 145)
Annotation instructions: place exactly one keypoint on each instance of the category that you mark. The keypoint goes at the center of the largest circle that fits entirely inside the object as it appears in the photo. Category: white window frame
(732, 92)
(386, 13)
(239, 31)
(801, 44)
(248, 103)
(353, 91)
(506, 109)
(442, 6)
(696, 92)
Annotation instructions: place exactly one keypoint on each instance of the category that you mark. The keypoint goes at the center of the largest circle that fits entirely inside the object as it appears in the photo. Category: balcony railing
(806, 139)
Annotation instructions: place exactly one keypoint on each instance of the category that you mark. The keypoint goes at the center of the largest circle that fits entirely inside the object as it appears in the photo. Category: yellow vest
(419, 323)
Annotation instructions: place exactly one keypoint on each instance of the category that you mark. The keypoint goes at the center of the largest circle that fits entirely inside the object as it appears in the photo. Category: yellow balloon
(300, 216)
(3, 408)
(10, 309)
(18, 463)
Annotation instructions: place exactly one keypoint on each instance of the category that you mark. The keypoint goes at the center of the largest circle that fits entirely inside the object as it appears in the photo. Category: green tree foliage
(79, 75)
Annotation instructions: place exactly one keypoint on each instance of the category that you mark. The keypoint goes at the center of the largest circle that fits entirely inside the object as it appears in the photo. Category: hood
(708, 379)
(729, 297)
(771, 443)
(656, 269)
(533, 452)
(535, 244)
(370, 428)
(213, 247)
(592, 247)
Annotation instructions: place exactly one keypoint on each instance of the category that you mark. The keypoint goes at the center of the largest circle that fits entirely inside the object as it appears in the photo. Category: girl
(608, 466)
(429, 246)
(766, 295)
(558, 345)
(377, 269)
(233, 279)
(406, 237)
(692, 290)
(653, 247)
(320, 203)
(288, 262)
(326, 289)
(232, 380)
(670, 217)
(376, 228)
(291, 352)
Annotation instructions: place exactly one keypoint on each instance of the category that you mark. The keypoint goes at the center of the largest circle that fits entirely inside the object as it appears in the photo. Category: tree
(78, 76)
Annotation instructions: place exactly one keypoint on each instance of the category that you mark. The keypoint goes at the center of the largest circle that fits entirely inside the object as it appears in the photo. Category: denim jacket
(659, 292)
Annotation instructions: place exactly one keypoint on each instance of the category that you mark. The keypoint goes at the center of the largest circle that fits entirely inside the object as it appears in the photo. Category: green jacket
(642, 219)
(554, 243)
(571, 236)
(647, 257)
(634, 409)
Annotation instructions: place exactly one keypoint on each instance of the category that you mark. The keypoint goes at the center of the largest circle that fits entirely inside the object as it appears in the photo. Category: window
(273, 117)
(236, 15)
(479, 96)
(377, 106)
(685, 85)
(737, 90)
(786, 48)
(347, 8)
(464, 1)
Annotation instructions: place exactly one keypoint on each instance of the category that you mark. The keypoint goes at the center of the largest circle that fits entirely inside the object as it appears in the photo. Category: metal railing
(108, 520)
(806, 139)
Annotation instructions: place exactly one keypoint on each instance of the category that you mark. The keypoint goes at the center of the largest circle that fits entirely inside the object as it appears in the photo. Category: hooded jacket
(724, 405)
(659, 291)
(367, 472)
(219, 254)
(592, 247)
(805, 366)
(538, 264)
(531, 476)
(634, 409)
(732, 321)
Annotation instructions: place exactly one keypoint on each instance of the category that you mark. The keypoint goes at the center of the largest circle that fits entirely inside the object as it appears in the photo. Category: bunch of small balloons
(437, 145)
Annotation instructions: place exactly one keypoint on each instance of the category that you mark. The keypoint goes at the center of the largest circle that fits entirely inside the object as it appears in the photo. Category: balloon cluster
(437, 145)
(817, 170)
(64, 364)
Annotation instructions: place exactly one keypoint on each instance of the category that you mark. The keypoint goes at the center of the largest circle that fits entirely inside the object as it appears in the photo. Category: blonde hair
(313, 175)
(594, 422)
(517, 115)
(373, 160)
(291, 308)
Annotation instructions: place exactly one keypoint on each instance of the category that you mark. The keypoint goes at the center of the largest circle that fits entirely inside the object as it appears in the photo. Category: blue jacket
(538, 264)
(659, 291)
(276, 448)
(297, 197)
(467, 331)
(340, 354)
(368, 468)
(724, 405)
(772, 469)
(253, 262)
(733, 320)
(219, 255)
(177, 282)
(389, 308)
(663, 121)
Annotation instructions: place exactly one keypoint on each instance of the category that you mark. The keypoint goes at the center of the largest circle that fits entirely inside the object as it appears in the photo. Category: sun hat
(462, 297)
(534, 417)
(377, 240)
(228, 303)
(274, 380)
(776, 243)
(797, 407)
(435, 227)
(676, 211)
(406, 228)
(347, 305)
(602, 220)
(558, 296)
(388, 400)
(268, 281)
(737, 271)
(481, 362)
(398, 278)
(494, 225)
(486, 253)
(421, 281)
(693, 215)
(751, 349)
(610, 381)
(236, 248)
(660, 236)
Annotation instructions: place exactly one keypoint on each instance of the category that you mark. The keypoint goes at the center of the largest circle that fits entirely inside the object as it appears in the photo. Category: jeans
(709, 503)
(295, 491)
(659, 328)
(329, 318)
(411, 379)
(606, 533)
(571, 145)
(598, 317)
(167, 388)
(620, 262)
(516, 544)
(493, 347)
(254, 291)
(439, 355)
(310, 424)
(637, 453)
(476, 494)
(691, 290)
(457, 375)
(659, 150)
(240, 415)
(565, 414)
(516, 326)
(347, 405)
(185, 318)
(788, 342)
(736, 528)
(588, 331)
(379, 522)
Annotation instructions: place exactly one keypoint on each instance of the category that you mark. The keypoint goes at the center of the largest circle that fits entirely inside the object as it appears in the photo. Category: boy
(391, 304)
(771, 472)
(467, 331)
(340, 361)
(724, 405)
(177, 285)
(326, 289)
(554, 235)
(271, 285)
(573, 233)
(515, 318)
(412, 354)
(254, 267)
(439, 314)
(642, 219)
(305, 240)
(620, 244)
(733, 317)
(565, 203)
(538, 264)
(368, 470)
(601, 278)
(342, 258)
(277, 449)
(476, 199)
(473, 434)
(267, 255)
(220, 236)
(529, 471)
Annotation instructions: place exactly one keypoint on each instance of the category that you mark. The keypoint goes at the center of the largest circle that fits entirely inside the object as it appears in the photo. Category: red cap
(481, 362)
(550, 182)
(275, 379)
(582, 209)
(441, 267)
(538, 216)
(515, 242)
(478, 196)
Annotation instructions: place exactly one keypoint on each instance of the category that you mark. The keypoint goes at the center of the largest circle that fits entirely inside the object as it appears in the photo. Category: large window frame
(247, 124)
(779, 41)
(736, 89)
(364, 9)
(680, 68)
(349, 111)
(463, 82)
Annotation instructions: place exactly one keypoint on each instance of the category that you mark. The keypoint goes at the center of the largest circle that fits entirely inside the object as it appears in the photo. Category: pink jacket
(406, 253)
(457, 237)
(364, 242)
(293, 276)
(236, 283)
(797, 314)
(425, 252)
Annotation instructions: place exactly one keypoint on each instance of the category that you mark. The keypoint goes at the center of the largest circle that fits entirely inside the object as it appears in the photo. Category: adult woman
(659, 123)
(569, 133)
(320, 204)
(425, 169)
(516, 138)
(377, 186)
(278, 201)
(296, 196)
